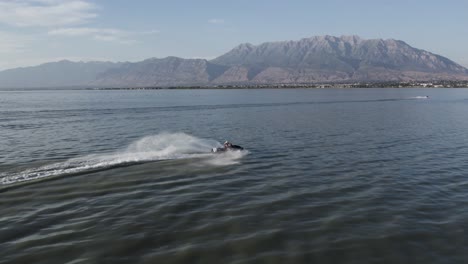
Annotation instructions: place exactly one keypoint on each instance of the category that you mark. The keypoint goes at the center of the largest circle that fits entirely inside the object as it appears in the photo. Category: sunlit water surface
(328, 176)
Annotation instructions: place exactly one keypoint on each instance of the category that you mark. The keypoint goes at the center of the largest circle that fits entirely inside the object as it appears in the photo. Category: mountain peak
(351, 38)
(244, 47)
(349, 54)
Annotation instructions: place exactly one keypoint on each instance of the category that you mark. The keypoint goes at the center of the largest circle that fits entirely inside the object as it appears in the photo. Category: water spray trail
(164, 146)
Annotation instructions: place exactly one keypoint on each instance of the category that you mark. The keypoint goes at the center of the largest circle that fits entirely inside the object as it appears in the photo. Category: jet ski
(227, 146)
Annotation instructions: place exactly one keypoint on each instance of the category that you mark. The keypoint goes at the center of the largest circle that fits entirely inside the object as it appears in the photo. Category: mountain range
(310, 60)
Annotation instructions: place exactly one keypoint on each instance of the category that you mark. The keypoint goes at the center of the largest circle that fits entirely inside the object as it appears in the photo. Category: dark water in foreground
(329, 176)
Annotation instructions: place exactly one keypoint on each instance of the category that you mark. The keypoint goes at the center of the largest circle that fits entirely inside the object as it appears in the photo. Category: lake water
(328, 176)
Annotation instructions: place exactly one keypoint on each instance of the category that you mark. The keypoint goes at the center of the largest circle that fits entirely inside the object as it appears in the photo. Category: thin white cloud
(216, 21)
(34, 61)
(85, 31)
(46, 13)
(12, 43)
(149, 32)
(102, 34)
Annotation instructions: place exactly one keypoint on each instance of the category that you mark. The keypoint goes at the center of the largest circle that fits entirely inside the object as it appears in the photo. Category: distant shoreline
(382, 85)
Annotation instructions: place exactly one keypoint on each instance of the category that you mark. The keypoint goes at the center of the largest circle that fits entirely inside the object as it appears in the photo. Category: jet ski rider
(228, 145)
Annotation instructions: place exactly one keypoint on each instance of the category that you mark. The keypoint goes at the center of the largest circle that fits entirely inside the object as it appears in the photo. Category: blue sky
(37, 31)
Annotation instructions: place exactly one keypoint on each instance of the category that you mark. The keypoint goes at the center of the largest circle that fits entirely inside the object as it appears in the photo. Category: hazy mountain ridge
(55, 74)
(161, 72)
(309, 60)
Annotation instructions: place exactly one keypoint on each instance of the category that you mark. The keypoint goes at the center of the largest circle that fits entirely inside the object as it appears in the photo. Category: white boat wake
(164, 146)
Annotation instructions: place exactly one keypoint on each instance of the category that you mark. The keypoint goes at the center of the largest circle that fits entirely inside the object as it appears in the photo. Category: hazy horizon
(39, 31)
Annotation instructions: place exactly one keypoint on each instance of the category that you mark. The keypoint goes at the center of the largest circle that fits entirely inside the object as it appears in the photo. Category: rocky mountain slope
(170, 71)
(328, 58)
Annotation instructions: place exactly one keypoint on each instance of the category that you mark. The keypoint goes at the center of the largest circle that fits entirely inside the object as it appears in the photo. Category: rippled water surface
(328, 176)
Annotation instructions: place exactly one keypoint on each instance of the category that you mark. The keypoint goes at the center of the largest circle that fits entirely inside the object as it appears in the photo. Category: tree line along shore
(431, 84)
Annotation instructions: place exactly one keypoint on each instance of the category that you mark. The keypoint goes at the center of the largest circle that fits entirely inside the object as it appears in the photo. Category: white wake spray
(419, 97)
(164, 146)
